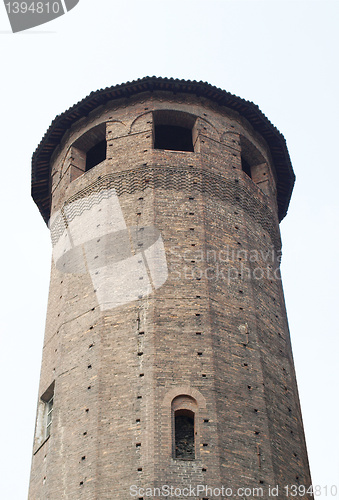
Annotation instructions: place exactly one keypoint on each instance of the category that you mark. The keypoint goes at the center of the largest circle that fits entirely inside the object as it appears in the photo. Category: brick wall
(216, 331)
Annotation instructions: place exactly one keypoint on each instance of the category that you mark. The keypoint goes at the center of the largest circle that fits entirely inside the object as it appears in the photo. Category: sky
(280, 54)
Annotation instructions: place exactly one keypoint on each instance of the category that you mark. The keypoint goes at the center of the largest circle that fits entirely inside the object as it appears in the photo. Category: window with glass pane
(49, 413)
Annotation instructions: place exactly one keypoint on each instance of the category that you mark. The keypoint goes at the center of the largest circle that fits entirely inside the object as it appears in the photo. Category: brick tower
(167, 356)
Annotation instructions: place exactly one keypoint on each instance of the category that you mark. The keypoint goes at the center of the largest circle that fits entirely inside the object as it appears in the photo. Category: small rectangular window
(47, 400)
(49, 414)
(44, 418)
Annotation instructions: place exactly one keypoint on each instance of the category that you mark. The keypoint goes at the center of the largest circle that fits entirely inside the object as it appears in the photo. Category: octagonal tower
(167, 356)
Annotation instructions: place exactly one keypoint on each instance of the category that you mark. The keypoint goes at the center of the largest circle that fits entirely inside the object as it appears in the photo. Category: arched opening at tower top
(88, 151)
(173, 137)
(96, 154)
(245, 166)
(256, 166)
(173, 130)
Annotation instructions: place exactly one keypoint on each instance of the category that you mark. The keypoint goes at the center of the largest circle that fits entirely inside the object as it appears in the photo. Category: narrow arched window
(184, 427)
(184, 434)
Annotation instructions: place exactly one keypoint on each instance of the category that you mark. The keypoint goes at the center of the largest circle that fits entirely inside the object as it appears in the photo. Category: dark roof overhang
(42, 156)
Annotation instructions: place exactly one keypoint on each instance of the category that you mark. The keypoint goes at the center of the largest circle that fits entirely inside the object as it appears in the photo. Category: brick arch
(133, 127)
(251, 151)
(183, 401)
(184, 391)
(211, 130)
(115, 128)
(228, 135)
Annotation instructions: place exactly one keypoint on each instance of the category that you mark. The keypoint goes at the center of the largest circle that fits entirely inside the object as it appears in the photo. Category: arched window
(184, 432)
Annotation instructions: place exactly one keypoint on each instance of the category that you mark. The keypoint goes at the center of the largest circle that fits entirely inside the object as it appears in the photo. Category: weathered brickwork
(214, 333)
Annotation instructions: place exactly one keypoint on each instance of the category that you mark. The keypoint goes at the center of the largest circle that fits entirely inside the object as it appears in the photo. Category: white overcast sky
(280, 54)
